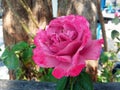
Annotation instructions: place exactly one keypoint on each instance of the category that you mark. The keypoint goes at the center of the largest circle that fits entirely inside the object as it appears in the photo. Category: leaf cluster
(18, 58)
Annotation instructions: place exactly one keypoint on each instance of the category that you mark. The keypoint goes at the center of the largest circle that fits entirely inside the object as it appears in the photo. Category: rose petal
(75, 71)
(92, 50)
(78, 59)
(41, 35)
(43, 59)
(66, 59)
(58, 73)
(80, 23)
(38, 57)
(68, 26)
(43, 56)
(53, 29)
(65, 69)
(70, 49)
(85, 40)
(58, 46)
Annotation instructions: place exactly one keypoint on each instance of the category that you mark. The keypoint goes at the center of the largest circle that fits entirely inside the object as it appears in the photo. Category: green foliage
(10, 60)
(116, 20)
(20, 46)
(106, 72)
(18, 73)
(107, 61)
(18, 58)
(114, 34)
(61, 84)
(104, 57)
(47, 75)
(81, 82)
(117, 76)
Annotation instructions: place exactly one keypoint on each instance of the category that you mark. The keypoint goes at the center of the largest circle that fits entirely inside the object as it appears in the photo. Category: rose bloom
(65, 45)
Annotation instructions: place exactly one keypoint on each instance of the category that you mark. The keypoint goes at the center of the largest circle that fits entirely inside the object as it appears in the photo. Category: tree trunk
(86, 8)
(12, 29)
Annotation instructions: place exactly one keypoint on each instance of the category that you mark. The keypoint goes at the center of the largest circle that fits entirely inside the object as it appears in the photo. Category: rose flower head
(65, 45)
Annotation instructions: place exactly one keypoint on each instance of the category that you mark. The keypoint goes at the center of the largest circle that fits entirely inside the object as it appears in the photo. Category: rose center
(64, 35)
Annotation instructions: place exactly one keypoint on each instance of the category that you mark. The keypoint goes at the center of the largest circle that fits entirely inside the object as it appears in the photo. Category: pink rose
(65, 45)
(117, 14)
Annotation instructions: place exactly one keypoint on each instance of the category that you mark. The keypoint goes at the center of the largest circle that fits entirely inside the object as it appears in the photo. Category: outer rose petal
(80, 26)
(78, 59)
(41, 35)
(76, 70)
(58, 73)
(62, 19)
(92, 50)
(67, 70)
(43, 59)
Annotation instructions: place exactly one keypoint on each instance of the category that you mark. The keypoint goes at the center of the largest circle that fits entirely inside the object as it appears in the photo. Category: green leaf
(116, 20)
(5, 54)
(115, 34)
(20, 46)
(77, 86)
(61, 84)
(50, 77)
(118, 44)
(18, 73)
(27, 53)
(11, 61)
(32, 46)
(83, 82)
(104, 57)
(41, 69)
(47, 75)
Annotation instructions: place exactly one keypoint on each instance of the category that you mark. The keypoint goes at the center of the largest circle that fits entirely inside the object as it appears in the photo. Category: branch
(101, 19)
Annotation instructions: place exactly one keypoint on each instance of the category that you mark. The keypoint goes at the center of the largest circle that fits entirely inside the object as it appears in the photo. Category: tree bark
(86, 8)
(12, 29)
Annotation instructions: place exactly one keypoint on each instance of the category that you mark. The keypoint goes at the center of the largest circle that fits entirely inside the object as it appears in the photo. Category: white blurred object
(118, 55)
(112, 46)
(3, 69)
(54, 7)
